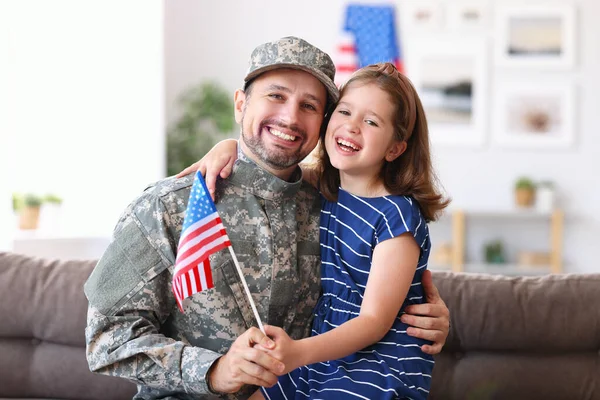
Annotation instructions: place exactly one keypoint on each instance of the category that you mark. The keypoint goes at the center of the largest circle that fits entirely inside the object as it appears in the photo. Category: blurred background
(99, 99)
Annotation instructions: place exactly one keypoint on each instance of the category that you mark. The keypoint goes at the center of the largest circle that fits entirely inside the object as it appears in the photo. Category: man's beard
(274, 159)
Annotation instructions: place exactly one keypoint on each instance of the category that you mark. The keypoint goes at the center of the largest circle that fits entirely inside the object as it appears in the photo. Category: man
(135, 329)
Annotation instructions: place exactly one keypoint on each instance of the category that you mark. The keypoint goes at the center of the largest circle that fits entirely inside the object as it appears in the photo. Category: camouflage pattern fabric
(295, 53)
(135, 329)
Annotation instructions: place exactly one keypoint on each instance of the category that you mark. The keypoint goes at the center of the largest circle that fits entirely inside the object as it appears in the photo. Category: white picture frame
(451, 79)
(541, 36)
(468, 15)
(534, 115)
(422, 16)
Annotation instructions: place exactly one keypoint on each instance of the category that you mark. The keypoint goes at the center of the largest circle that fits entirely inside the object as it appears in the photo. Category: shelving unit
(54, 246)
(459, 238)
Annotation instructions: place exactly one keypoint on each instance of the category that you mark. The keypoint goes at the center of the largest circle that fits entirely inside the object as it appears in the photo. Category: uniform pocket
(123, 269)
(227, 275)
(309, 287)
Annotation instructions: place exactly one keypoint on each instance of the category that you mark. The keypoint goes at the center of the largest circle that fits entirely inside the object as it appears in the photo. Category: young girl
(377, 184)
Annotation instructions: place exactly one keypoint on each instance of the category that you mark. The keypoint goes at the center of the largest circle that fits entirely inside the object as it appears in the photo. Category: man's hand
(244, 364)
(430, 321)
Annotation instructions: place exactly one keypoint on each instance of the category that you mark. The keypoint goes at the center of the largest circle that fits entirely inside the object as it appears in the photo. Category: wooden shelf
(507, 269)
(459, 232)
(503, 269)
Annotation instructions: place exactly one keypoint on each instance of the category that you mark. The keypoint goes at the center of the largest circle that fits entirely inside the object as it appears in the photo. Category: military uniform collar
(247, 174)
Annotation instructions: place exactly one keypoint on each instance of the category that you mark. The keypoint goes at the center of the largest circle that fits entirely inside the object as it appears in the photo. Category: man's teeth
(347, 144)
(282, 135)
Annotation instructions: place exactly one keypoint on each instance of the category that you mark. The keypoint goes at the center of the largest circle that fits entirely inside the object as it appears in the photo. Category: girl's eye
(371, 122)
(276, 96)
(344, 112)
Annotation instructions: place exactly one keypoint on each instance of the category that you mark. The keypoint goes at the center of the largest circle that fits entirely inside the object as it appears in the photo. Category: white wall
(6, 159)
(214, 40)
(83, 116)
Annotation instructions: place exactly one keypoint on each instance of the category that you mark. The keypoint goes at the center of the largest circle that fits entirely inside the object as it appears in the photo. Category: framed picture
(450, 77)
(423, 15)
(536, 36)
(534, 115)
(464, 15)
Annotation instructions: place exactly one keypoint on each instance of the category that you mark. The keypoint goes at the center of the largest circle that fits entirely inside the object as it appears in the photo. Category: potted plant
(207, 116)
(494, 252)
(17, 205)
(544, 196)
(52, 199)
(524, 192)
(30, 211)
(17, 202)
(50, 213)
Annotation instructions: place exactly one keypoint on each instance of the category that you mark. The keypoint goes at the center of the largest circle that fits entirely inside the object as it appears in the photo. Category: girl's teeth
(282, 135)
(347, 144)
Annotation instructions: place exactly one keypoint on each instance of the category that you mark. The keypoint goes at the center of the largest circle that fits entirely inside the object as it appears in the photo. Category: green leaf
(207, 116)
(32, 200)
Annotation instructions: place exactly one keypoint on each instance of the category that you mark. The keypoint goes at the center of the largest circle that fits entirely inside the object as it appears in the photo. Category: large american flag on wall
(369, 36)
(203, 234)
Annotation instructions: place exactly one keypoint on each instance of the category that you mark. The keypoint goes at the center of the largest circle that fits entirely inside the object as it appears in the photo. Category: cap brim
(332, 90)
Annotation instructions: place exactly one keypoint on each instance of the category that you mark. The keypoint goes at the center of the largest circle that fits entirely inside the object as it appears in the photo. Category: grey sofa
(511, 338)
(520, 338)
(42, 323)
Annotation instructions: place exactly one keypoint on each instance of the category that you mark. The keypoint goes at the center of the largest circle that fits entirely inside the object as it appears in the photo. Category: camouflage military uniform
(135, 329)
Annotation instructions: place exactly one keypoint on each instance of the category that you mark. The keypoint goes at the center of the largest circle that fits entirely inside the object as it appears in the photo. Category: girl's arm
(392, 271)
(217, 162)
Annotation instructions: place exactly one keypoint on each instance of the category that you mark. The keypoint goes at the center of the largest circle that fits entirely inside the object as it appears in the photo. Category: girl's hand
(286, 350)
(217, 162)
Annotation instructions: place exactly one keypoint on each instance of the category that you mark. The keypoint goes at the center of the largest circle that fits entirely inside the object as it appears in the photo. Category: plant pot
(50, 218)
(29, 217)
(524, 197)
(544, 199)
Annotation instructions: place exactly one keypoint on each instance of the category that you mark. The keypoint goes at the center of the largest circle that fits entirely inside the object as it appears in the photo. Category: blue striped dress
(393, 368)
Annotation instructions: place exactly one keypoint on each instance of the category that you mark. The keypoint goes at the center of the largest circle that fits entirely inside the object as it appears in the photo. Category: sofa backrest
(42, 339)
(511, 338)
(519, 337)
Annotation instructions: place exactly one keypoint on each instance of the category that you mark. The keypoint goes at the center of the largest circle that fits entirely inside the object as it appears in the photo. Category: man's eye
(276, 96)
(310, 107)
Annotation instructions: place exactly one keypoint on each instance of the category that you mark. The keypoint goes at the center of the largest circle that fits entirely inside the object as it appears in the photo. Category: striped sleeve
(400, 215)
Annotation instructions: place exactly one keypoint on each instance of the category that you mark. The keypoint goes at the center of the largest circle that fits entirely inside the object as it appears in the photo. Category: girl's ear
(239, 99)
(395, 151)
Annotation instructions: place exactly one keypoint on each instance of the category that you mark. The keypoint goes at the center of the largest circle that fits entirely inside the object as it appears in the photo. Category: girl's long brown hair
(410, 174)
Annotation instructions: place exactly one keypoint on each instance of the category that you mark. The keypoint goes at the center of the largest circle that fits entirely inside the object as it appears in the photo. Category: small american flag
(203, 234)
(369, 36)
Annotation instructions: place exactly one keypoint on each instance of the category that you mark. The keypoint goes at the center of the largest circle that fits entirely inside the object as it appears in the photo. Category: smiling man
(135, 329)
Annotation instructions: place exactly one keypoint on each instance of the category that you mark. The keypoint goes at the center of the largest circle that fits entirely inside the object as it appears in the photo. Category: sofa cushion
(42, 340)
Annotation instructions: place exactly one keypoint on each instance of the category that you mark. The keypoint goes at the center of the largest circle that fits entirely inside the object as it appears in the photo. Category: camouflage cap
(296, 53)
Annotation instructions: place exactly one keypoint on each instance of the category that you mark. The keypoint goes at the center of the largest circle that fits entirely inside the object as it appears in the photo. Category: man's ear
(395, 151)
(239, 99)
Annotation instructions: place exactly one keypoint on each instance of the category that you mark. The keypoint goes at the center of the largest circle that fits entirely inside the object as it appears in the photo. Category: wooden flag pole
(239, 270)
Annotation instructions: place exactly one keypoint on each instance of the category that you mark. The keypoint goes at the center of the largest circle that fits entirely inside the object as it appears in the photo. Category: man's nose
(291, 113)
